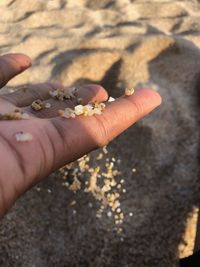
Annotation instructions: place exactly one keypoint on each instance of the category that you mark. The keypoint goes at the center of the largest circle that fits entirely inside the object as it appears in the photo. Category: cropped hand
(56, 141)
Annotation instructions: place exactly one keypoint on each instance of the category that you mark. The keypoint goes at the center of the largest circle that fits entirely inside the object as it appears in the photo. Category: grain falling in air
(102, 181)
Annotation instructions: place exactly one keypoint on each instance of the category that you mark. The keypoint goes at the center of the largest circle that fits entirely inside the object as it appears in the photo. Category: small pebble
(109, 213)
(74, 212)
(90, 204)
(73, 203)
(111, 99)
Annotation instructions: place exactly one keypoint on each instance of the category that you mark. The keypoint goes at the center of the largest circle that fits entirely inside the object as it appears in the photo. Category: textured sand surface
(118, 44)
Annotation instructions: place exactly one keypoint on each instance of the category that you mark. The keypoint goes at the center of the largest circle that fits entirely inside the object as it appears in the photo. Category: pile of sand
(117, 44)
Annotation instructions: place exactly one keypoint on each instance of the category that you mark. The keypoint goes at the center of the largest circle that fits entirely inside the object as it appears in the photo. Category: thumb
(11, 65)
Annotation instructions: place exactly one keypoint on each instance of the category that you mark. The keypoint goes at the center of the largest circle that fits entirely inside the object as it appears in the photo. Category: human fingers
(83, 134)
(11, 65)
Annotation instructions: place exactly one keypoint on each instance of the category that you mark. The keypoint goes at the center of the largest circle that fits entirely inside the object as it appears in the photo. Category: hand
(56, 141)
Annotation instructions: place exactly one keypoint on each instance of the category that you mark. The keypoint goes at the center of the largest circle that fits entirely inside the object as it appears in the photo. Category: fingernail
(27, 63)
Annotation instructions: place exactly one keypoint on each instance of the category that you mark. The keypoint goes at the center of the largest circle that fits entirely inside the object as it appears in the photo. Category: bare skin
(56, 141)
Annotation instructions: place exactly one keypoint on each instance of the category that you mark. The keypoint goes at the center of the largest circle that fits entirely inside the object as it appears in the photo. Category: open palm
(56, 141)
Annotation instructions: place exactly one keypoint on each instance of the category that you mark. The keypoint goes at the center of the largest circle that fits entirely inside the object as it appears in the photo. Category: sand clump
(23, 137)
(39, 105)
(14, 115)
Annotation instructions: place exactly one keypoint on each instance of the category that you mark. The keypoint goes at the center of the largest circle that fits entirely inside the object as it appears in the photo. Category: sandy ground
(117, 44)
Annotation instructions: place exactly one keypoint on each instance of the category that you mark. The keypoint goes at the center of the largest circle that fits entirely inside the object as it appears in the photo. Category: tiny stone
(78, 110)
(79, 100)
(90, 204)
(111, 99)
(120, 230)
(105, 151)
(121, 216)
(129, 92)
(119, 186)
(98, 215)
(73, 203)
(74, 212)
(100, 156)
(47, 105)
(118, 210)
(109, 214)
(65, 184)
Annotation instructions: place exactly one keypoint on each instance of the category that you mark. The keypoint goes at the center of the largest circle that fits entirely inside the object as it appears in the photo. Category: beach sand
(117, 44)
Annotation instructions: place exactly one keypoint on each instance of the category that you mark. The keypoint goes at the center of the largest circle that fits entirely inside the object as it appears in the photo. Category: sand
(118, 44)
